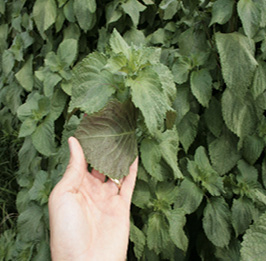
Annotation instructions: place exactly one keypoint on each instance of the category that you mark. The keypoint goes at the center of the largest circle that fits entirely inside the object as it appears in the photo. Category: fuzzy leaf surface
(91, 86)
(108, 139)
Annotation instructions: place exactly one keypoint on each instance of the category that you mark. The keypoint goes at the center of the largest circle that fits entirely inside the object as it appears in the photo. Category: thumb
(77, 166)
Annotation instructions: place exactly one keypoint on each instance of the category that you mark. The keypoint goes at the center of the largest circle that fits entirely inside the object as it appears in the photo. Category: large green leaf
(223, 152)
(25, 75)
(91, 85)
(201, 86)
(259, 83)
(139, 240)
(151, 155)
(239, 114)
(189, 196)
(249, 13)
(157, 232)
(237, 59)
(216, 221)
(85, 13)
(108, 139)
(148, 96)
(242, 214)
(188, 129)
(177, 220)
(222, 11)
(44, 14)
(133, 8)
(254, 240)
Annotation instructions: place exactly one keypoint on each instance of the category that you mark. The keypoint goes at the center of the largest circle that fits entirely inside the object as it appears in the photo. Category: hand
(89, 219)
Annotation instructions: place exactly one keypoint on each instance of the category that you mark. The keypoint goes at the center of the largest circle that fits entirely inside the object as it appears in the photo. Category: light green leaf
(113, 12)
(201, 86)
(44, 14)
(135, 37)
(157, 232)
(91, 86)
(259, 82)
(181, 69)
(85, 13)
(133, 8)
(216, 221)
(223, 152)
(27, 127)
(237, 58)
(189, 196)
(43, 137)
(31, 104)
(167, 81)
(67, 51)
(169, 8)
(118, 44)
(8, 61)
(242, 214)
(254, 240)
(188, 129)
(169, 149)
(148, 96)
(250, 15)
(239, 114)
(25, 75)
(177, 221)
(222, 11)
(151, 155)
(68, 10)
(108, 139)
(139, 240)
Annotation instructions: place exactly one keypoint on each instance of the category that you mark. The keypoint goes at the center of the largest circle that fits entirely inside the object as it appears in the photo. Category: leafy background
(216, 51)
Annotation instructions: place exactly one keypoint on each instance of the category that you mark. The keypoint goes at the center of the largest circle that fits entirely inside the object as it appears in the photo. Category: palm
(92, 219)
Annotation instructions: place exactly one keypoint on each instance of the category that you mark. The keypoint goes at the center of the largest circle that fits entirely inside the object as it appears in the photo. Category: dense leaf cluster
(183, 82)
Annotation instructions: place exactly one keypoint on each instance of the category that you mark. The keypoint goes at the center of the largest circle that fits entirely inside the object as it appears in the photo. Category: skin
(89, 218)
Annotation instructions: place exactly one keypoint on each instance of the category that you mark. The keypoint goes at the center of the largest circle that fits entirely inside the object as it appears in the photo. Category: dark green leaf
(223, 152)
(201, 86)
(108, 139)
(177, 220)
(139, 240)
(157, 232)
(189, 196)
(239, 114)
(216, 222)
(188, 129)
(242, 214)
(237, 59)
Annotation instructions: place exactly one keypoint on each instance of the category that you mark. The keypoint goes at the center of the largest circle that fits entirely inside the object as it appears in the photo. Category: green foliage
(181, 82)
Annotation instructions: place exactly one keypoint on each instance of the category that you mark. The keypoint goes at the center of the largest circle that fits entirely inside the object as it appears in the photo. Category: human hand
(89, 219)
